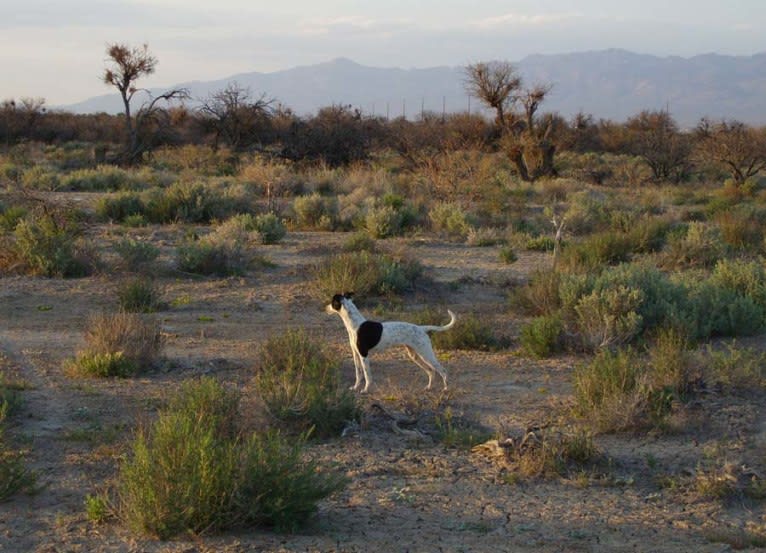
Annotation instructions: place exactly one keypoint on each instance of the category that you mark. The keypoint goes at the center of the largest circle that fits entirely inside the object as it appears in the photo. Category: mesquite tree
(127, 64)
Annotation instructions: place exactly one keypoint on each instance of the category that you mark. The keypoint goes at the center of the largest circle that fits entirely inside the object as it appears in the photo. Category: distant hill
(613, 84)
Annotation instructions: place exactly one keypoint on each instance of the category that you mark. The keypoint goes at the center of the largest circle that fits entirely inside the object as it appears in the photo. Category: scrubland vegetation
(641, 287)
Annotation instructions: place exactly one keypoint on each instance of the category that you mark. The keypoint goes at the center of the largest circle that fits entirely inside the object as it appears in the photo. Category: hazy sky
(55, 49)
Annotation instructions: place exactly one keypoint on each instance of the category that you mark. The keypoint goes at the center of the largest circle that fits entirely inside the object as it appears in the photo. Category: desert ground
(407, 490)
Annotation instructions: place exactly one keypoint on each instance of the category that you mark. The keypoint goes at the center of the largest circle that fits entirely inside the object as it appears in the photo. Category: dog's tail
(450, 324)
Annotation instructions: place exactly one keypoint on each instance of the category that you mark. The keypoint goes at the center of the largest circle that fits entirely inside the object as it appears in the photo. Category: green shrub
(542, 337)
(10, 217)
(120, 344)
(717, 311)
(270, 228)
(597, 250)
(670, 363)
(316, 212)
(469, 333)
(612, 390)
(450, 219)
(191, 471)
(281, 489)
(539, 296)
(700, 246)
(744, 278)
(737, 368)
(102, 178)
(223, 252)
(364, 273)
(136, 254)
(40, 178)
(299, 384)
(741, 229)
(609, 317)
(507, 255)
(50, 248)
(540, 244)
(383, 222)
(136, 220)
(360, 241)
(138, 295)
(120, 206)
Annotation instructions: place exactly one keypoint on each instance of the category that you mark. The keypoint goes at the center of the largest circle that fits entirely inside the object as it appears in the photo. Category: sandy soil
(404, 495)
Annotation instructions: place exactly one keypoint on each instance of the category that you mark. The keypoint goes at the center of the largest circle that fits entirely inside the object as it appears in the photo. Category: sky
(56, 49)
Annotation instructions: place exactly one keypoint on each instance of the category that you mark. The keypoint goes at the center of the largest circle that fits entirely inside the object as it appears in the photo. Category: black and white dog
(367, 335)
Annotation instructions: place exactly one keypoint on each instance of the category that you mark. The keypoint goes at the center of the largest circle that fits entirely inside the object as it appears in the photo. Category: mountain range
(611, 84)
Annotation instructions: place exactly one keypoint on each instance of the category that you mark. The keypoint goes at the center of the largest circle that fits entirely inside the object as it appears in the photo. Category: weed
(138, 295)
(542, 337)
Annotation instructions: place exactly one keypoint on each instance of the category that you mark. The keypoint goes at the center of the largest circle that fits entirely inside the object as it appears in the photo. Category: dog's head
(337, 302)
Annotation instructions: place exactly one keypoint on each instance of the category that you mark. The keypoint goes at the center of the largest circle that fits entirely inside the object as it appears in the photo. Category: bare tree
(127, 65)
(235, 118)
(527, 138)
(495, 84)
(733, 145)
(654, 136)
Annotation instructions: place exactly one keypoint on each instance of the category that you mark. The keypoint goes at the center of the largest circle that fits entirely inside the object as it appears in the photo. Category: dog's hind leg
(427, 355)
(416, 359)
(367, 376)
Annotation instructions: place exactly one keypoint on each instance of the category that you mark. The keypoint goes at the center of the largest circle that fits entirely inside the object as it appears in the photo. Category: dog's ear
(348, 295)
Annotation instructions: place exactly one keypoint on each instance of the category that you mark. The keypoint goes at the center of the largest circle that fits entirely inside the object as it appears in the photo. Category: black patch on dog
(336, 302)
(368, 336)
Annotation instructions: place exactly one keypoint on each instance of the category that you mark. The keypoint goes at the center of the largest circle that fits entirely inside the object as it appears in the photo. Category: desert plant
(138, 295)
(120, 206)
(364, 273)
(10, 217)
(700, 246)
(299, 384)
(360, 241)
(609, 317)
(540, 295)
(136, 254)
(507, 255)
(191, 470)
(736, 368)
(470, 332)
(119, 344)
(270, 228)
(543, 336)
(670, 362)
(450, 219)
(316, 212)
(612, 390)
(553, 452)
(459, 432)
(49, 247)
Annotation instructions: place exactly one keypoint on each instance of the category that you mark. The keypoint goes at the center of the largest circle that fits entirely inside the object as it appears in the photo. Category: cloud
(519, 19)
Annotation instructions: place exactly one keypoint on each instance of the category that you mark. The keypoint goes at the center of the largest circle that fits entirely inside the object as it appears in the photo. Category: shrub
(605, 248)
(185, 474)
(10, 217)
(741, 229)
(280, 488)
(359, 242)
(700, 246)
(383, 222)
(737, 368)
(14, 476)
(539, 296)
(223, 252)
(120, 344)
(717, 311)
(553, 452)
(120, 206)
(364, 273)
(507, 255)
(483, 237)
(49, 248)
(542, 337)
(136, 254)
(138, 295)
(670, 363)
(612, 390)
(270, 228)
(744, 278)
(540, 244)
(450, 219)
(609, 317)
(469, 333)
(299, 384)
(101, 178)
(316, 212)
(39, 178)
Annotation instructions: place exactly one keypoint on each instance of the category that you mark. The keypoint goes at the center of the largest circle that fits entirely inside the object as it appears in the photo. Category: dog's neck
(351, 316)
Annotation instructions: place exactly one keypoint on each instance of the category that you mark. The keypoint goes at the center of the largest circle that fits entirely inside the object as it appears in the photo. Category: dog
(365, 336)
